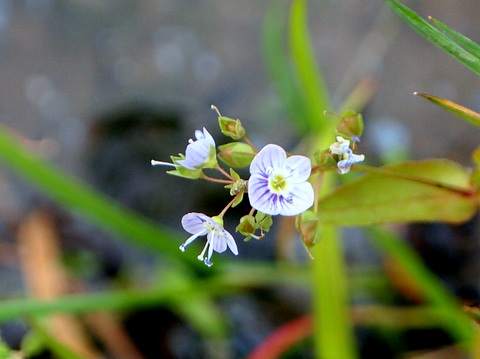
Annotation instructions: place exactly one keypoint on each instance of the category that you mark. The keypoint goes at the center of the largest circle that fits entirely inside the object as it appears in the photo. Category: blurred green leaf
(195, 305)
(333, 321)
(436, 36)
(428, 190)
(310, 78)
(93, 205)
(433, 290)
(461, 111)
(279, 67)
(58, 349)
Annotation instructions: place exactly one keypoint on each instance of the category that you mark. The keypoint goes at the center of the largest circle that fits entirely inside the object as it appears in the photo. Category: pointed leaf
(468, 44)
(461, 111)
(429, 190)
(435, 36)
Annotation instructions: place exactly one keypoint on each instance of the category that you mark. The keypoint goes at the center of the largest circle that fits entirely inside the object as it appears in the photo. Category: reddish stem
(283, 338)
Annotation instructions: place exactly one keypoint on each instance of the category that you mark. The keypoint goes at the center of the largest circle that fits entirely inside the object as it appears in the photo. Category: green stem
(333, 328)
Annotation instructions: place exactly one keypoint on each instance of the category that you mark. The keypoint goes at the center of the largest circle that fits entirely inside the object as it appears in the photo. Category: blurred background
(100, 87)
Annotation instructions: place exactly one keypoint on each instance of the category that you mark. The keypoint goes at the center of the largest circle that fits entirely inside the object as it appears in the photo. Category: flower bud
(307, 224)
(249, 225)
(351, 124)
(231, 128)
(236, 154)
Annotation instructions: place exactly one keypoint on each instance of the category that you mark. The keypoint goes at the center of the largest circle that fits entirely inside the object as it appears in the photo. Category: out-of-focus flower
(278, 185)
(342, 148)
(218, 239)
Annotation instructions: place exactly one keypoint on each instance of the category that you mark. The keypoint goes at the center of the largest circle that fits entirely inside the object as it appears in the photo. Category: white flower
(199, 224)
(342, 148)
(200, 153)
(278, 185)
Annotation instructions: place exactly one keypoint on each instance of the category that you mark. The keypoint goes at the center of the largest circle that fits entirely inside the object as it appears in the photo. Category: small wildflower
(199, 224)
(351, 158)
(200, 153)
(342, 148)
(278, 185)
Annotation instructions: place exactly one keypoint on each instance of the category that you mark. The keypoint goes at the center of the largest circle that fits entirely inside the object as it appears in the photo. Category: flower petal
(194, 223)
(260, 196)
(271, 156)
(217, 241)
(231, 243)
(301, 198)
(297, 168)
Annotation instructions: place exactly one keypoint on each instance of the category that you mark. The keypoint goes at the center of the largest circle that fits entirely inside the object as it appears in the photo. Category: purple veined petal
(194, 223)
(217, 241)
(297, 168)
(260, 196)
(271, 156)
(300, 199)
(195, 155)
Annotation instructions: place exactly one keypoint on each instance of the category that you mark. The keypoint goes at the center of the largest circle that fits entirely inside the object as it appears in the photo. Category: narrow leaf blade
(467, 43)
(435, 36)
(461, 111)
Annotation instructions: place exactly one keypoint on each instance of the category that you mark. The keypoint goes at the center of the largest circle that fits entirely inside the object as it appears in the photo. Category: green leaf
(468, 44)
(429, 190)
(93, 205)
(435, 293)
(279, 65)
(461, 111)
(310, 78)
(436, 36)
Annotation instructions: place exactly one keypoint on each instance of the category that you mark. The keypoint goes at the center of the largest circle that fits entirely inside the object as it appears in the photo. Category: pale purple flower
(200, 153)
(342, 148)
(278, 185)
(350, 159)
(218, 239)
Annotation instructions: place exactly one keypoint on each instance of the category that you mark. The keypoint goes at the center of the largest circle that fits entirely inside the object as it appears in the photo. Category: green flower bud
(307, 224)
(249, 225)
(231, 128)
(236, 154)
(351, 124)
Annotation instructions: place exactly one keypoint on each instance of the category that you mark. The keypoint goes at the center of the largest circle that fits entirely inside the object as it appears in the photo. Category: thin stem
(217, 180)
(225, 173)
(318, 181)
(245, 138)
(229, 205)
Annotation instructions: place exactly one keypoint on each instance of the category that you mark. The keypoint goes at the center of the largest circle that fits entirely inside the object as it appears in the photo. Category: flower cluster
(278, 183)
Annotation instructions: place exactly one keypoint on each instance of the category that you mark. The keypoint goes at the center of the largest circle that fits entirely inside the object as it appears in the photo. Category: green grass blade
(435, 36)
(279, 66)
(58, 349)
(454, 320)
(468, 44)
(333, 327)
(94, 206)
(310, 78)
